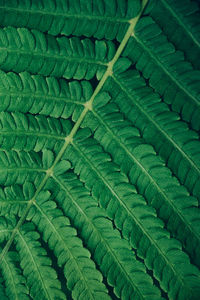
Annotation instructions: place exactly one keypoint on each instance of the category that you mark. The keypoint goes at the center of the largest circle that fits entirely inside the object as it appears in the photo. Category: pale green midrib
(21, 169)
(135, 102)
(177, 82)
(130, 213)
(40, 54)
(108, 72)
(36, 266)
(175, 14)
(13, 201)
(40, 96)
(11, 276)
(151, 179)
(15, 231)
(67, 15)
(36, 134)
(67, 248)
(97, 233)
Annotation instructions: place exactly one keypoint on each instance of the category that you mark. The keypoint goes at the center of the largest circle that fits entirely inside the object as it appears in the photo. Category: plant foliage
(100, 150)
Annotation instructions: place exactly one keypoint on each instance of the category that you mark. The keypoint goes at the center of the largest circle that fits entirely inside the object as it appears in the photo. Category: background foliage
(100, 151)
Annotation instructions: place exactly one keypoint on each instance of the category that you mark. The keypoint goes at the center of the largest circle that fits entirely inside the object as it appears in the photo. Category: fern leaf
(37, 266)
(14, 281)
(183, 16)
(99, 158)
(105, 176)
(160, 127)
(72, 17)
(12, 203)
(109, 251)
(51, 132)
(25, 165)
(6, 226)
(166, 69)
(152, 179)
(82, 277)
(61, 57)
(42, 95)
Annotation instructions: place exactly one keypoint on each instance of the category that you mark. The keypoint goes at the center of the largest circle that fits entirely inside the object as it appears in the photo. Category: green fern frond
(19, 167)
(82, 276)
(162, 128)
(112, 254)
(166, 69)
(36, 265)
(48, 96)
(14, 281)
(32, 51)
(184, 16)
(50, 132)
(148, 173)
(99, 149)
(98, 18)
